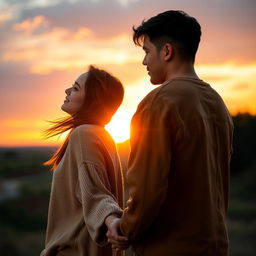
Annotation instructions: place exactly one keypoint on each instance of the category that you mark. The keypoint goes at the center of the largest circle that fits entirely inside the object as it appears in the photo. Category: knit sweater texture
(87, 186)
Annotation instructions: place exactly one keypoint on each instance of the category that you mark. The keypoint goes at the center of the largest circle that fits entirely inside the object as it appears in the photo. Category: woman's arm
(94, 188)
(97, 201)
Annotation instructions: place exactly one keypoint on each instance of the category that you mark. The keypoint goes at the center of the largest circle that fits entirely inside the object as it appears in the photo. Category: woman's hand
(118, 241)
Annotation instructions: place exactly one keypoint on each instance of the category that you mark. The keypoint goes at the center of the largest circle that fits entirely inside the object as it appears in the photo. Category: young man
(181, 143)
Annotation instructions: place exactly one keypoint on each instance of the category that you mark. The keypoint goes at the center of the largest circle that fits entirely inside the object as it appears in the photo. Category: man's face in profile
(154, 61)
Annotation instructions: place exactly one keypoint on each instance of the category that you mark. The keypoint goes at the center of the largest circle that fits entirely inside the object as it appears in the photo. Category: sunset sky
(46, 44)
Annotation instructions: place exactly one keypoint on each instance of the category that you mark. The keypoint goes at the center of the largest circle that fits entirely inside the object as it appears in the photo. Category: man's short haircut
(175, 27)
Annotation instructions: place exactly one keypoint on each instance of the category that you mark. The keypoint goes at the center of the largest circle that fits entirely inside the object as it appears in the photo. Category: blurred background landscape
(25, 187)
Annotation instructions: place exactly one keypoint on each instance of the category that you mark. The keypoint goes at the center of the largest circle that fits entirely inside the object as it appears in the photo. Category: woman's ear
(167, 52)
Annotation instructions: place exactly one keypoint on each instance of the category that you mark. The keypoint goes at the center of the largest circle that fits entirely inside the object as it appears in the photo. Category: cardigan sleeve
(97, 201)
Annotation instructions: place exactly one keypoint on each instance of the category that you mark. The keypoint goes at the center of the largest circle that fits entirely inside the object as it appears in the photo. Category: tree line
(244, 143)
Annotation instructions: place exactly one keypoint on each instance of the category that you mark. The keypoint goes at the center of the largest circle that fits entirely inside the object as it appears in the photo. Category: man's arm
(148, 169)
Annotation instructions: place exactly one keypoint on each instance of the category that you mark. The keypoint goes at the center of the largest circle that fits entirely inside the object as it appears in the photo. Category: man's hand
(118, 241)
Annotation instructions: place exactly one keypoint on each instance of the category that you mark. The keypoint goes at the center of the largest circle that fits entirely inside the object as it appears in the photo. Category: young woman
(87, 182)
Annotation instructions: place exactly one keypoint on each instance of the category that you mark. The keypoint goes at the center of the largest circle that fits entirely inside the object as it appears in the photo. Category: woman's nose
(67, 91)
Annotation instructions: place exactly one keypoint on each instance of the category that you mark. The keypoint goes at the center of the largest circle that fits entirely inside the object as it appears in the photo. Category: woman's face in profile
(75, 95)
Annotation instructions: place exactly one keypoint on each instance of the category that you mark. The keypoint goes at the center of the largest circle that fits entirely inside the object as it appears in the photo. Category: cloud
(5, 15)
(29, 25)
(61, 49)
(126, 2)
(225, 36)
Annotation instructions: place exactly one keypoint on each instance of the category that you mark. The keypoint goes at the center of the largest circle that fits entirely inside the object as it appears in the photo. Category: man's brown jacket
(178, 172)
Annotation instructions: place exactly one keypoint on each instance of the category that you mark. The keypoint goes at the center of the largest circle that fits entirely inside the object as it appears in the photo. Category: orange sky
(45, 45)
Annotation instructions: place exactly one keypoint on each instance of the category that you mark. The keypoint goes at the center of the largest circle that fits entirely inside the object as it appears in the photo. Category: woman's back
(87, 186)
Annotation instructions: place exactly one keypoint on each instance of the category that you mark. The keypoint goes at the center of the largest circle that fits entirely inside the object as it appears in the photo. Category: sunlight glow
(24, 132)
(119, 127)
(234, 82)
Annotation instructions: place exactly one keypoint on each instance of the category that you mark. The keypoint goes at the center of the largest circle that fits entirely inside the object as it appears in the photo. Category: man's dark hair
(175, 27)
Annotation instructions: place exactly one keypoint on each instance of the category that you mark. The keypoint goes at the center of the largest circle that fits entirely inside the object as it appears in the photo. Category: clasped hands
(118, 241)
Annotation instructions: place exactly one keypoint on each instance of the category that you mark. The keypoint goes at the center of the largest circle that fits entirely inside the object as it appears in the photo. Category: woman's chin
(63, 108)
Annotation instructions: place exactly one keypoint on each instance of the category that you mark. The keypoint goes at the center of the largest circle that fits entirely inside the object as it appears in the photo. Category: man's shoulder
(175, 91)
(182, 89)
(146, 102)
(184, 84)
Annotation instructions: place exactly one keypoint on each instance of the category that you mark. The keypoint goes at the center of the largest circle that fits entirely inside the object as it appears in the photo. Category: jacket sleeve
(97, 200)
(148, 169)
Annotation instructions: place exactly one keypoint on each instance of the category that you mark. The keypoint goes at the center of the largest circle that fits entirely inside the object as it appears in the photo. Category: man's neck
(182, 70)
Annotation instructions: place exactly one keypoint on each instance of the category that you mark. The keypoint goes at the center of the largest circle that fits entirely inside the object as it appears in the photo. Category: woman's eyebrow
(77, 84)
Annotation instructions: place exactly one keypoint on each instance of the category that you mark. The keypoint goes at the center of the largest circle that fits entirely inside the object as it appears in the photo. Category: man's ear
(167, 52)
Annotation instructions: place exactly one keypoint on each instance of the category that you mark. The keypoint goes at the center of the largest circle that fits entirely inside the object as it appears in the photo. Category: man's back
(179, 166)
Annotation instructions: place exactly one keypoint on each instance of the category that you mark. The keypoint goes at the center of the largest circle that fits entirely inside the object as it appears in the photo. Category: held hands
(118, 241)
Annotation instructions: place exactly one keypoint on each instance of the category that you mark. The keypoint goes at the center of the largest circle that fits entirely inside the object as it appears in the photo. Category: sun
(119, 126)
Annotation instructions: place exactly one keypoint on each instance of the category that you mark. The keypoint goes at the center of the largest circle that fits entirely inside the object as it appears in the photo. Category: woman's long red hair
(103, 95)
